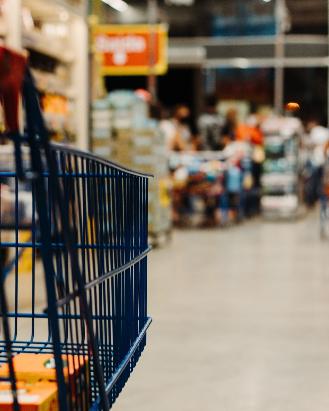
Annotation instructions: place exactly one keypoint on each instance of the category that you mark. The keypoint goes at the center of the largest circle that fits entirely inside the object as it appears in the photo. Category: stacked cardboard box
(40, 396)
(136, 142)
(39, 370)
(101, 119)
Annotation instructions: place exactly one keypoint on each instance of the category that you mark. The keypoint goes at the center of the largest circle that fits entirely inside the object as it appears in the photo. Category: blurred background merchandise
(225, 103)
(55, 35)
(232, 66)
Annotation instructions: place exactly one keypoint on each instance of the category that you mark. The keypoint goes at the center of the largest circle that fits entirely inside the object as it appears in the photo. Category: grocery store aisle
(241, 322)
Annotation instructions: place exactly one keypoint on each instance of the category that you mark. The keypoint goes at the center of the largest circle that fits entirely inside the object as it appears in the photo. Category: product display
(124, 133)
(280, 180)
(212, 188)
(54, 36)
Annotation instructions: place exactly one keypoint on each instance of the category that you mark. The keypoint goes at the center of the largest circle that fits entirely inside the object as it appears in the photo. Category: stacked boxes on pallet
(102, 127)
(124, 133)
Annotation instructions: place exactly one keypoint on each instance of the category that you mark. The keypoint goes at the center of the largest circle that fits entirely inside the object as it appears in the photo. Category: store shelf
(55, 33)
(48, 83)
(70, 95)
(3, 28)
(280, 179)
(38, 42)
(76, 7)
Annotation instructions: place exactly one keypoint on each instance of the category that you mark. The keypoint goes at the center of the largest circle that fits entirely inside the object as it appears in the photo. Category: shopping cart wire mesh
(87, 302)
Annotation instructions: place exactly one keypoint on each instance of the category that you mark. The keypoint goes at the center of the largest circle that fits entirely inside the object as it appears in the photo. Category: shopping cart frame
(56, 173)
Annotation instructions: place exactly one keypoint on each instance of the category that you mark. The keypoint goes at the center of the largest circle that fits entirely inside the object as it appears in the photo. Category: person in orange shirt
(250, 131)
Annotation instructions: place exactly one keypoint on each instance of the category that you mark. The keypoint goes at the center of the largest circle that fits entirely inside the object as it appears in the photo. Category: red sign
(131, 50)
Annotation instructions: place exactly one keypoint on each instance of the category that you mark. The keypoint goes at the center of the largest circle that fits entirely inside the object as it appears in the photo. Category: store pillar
(328, 67)
(81, 79)
(152, 20)
(279, 57)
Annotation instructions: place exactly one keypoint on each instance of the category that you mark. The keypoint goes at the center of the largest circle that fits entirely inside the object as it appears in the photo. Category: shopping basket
(85, 305)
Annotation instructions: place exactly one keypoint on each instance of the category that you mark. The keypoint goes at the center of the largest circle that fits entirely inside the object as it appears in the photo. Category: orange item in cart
(41, 367)
(41, 396)
(33, 368)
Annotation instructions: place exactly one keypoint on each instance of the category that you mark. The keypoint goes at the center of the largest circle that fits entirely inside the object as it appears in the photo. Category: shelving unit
(35, 40)
(280, 180)
(124, 133)
(55, 34)
(3, 27)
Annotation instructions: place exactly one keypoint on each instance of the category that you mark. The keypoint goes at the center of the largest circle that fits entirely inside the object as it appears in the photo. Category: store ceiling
(306, 16)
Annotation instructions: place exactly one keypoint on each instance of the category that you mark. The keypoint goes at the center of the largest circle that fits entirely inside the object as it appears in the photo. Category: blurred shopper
(230, 126)
(256, 139)
(234, 189)
(210, 126)
(318, 138)
(250, 131)
(177, 130)
(196, 142)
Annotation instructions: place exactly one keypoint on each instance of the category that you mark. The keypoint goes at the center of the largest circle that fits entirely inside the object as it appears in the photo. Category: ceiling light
(119, 5)
(180, 2)
(241, 63)
(267, 1)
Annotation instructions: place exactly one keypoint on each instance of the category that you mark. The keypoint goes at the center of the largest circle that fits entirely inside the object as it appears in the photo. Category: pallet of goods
(123, 132)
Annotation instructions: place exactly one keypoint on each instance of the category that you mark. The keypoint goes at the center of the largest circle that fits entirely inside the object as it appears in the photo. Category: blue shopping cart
(85, 298)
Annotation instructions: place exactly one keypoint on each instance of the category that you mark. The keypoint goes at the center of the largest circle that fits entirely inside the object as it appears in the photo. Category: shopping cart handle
(12, 71)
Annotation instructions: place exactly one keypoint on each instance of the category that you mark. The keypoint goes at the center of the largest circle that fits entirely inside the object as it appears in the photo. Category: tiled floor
(241, 322)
